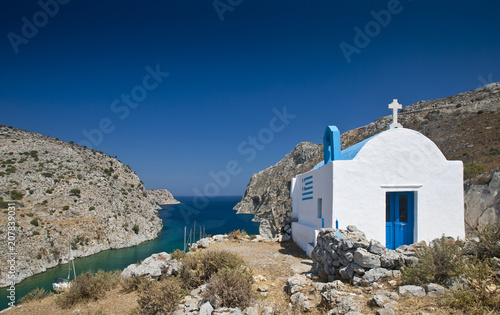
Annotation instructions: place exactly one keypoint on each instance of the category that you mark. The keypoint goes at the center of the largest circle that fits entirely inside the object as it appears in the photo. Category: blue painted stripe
(307, 178)
(307, 188)
(308, 183)
(307, 198)
(307, 193)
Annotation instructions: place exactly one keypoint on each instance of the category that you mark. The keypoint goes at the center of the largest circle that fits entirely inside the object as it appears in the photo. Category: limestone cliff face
(463, 126)
(67, 193)
(482, 204)
(268, 193)
(161, 197)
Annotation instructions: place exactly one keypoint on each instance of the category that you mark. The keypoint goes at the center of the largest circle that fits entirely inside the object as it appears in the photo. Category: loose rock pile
(348, 255)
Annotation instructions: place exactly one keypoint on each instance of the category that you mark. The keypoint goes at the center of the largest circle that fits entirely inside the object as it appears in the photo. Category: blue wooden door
(399, 219)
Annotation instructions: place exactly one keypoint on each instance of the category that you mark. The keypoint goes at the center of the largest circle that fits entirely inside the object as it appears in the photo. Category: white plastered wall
(304, 231)
(400, 160)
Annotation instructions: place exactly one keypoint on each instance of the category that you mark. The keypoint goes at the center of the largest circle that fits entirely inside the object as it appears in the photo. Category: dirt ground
(275, 262)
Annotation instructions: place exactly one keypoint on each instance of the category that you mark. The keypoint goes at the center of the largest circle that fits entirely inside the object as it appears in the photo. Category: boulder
(251, 310)
(349, 304)
(365, 259)
(206, 309)
(412, 290)
(388, 309)
(390, 260)
(329, 297)
(297, 299)
(153, 267)
(378, 300)
(434, 289)
(376, 247)
(295, 283)
(203, 243)
(376, 274)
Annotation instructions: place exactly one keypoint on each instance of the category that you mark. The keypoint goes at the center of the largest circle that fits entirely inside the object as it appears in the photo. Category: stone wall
(348, 255)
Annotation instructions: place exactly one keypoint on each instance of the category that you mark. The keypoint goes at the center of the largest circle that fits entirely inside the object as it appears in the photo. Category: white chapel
(396, 186)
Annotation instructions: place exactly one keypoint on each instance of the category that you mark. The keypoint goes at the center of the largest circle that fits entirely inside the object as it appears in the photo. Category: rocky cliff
(64, 193)
(267, 193)
(464, 126)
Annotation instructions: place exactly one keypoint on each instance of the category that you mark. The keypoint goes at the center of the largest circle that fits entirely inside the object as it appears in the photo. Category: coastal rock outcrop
(268, 193)
(64, 193)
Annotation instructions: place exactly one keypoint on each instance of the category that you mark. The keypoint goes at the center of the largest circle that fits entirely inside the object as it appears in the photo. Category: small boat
(63, 284)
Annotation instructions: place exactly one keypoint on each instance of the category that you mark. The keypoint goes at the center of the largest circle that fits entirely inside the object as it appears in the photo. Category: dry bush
(482, 296)
(197, 268)
(441, 260)
(160, 297)
(488, 245)
(178, 254)
(237, 234)
(35, 295)
(230, 288)
(88, 287)
(130, 284)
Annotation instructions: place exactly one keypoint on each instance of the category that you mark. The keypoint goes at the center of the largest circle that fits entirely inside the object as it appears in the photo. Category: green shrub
(230, 288)
(75, 192)
(45, 202)
(49, 191)
(3, 204)
(437, 262)
(160, 297)
(34, 222)
(88, 287)
(48, 175)
(135, 228)
(65, 208)
(35, 295)
(91, 208)
(474, 169)
(30, 214)
(36, 233)
(488, 245)
(16, 195)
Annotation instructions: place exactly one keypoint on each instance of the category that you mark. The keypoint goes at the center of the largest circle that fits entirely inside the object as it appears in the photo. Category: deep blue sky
(226, 77)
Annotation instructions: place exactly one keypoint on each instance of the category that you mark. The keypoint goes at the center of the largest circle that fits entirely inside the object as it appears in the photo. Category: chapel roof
(349, 153)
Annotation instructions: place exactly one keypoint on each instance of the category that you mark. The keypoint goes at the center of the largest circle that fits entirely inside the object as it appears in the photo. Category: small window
(403, 208)
(387, 207)
(320, 208)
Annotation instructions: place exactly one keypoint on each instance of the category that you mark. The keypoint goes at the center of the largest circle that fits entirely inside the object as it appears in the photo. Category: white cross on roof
(395, 106)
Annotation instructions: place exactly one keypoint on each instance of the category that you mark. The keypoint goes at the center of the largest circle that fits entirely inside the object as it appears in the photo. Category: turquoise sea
(215, 217)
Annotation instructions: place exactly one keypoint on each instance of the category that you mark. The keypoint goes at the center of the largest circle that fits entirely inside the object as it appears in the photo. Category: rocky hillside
(66, 193)
(464, 126)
